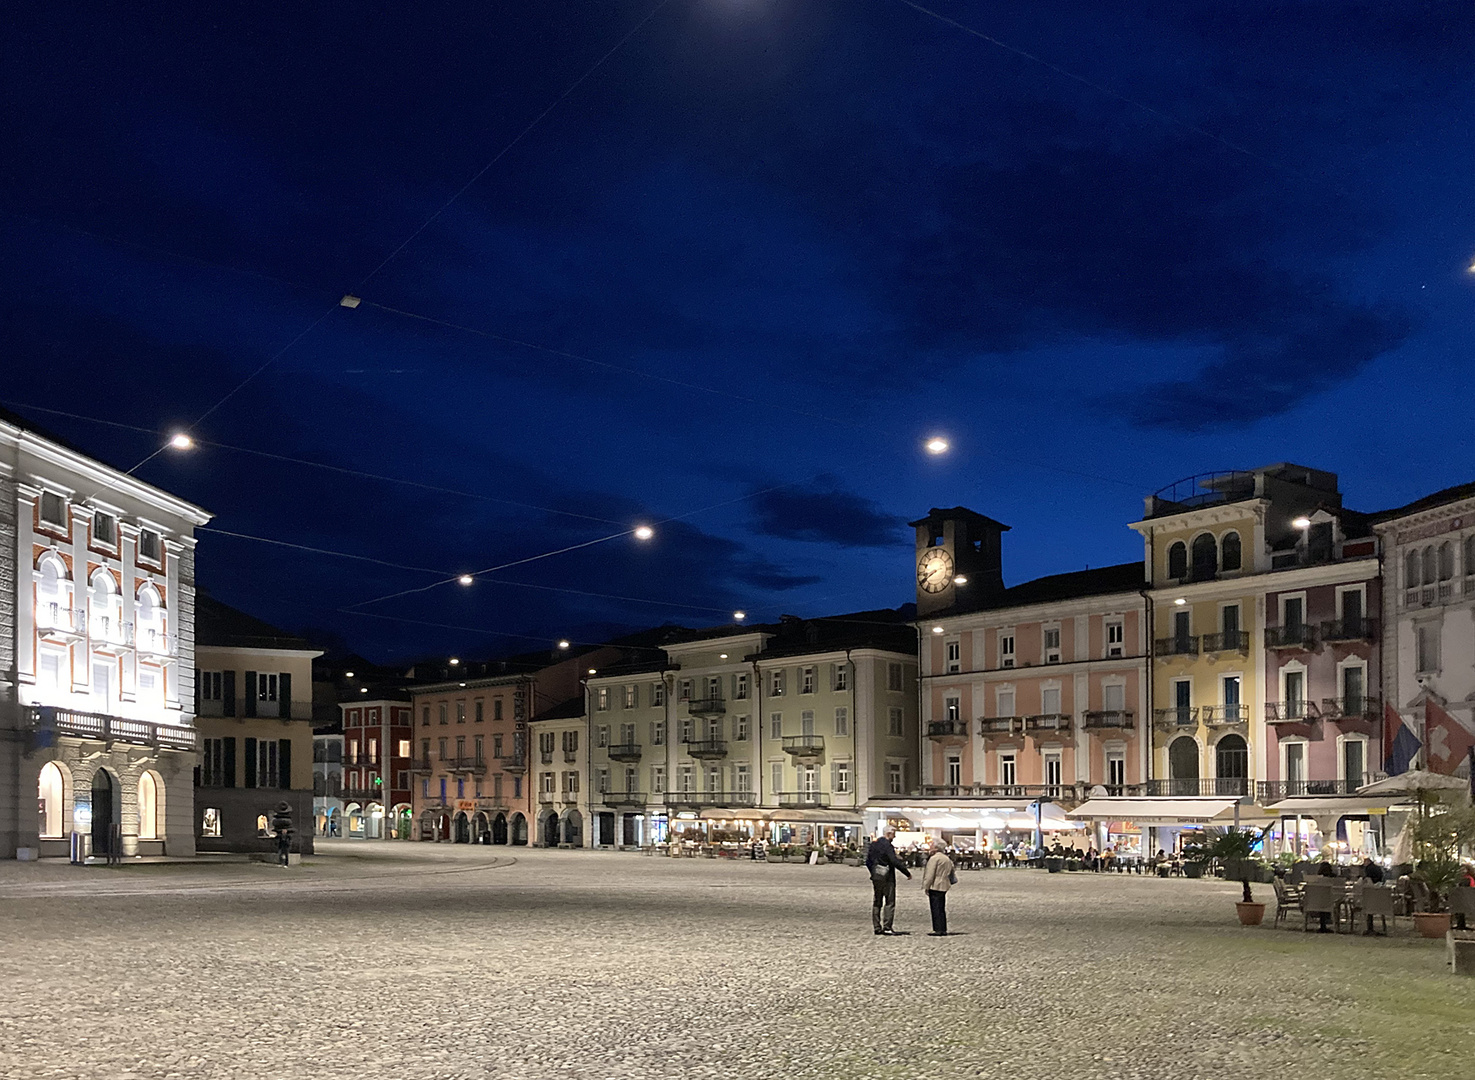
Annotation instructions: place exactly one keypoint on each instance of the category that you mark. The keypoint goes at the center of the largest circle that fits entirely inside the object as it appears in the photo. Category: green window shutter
(228, 693)
(229, 771)
(284, 697)
(284, 762)
(250, 763)
(250, 709)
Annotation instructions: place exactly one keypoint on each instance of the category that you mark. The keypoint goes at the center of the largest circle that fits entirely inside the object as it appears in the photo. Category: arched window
(53, 602)
(148, 807)
(1446, 561)
(1229, 551)
(1411, 569)
(1469, 566)
(1183, 766)
(1231, 760)
(1431, 565)
(1178, 560)
(105, 606)
(53, 794)
(1205, 557)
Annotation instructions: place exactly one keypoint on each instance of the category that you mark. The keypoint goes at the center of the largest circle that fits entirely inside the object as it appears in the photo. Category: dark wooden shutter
(284, 762)
(250, 762)
(228, 693)
(284, 697)
(230, 761)
(250, 693)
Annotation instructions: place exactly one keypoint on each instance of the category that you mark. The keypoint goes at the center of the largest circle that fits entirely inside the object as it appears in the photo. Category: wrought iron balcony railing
(1293, 636)
(1183, 645)
(1224, 715)
(1226, 641)
(1177, 716)
(1291, 712)
(705, 748)
(1229, 787)
(947, 730)
(804, 745)
(1363, 629)
(625, 752)
(706, 706)
(1269, 791)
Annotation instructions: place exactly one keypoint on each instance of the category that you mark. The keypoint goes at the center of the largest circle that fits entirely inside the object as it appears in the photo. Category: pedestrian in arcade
(883, 863)
(937, 878)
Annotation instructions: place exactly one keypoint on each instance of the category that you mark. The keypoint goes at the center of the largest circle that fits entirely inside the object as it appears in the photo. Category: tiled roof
(1097, 581)
(224, 627)
(565, 710)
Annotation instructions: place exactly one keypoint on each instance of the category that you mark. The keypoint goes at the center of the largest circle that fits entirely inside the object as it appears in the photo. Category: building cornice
(1070, 607)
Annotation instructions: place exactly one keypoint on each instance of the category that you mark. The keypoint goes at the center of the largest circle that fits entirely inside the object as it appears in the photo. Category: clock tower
(953, 544)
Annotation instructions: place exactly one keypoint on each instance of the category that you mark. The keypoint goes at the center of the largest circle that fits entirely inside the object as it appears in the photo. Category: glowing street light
(591, 671)
(563, 644)
(960, 579)
(937, 629)
(454, 661)
(739, 616)
(180, 441)
(1180, 602)
(1301, 522)
(644, 532)
(465, 579)
(937, 445)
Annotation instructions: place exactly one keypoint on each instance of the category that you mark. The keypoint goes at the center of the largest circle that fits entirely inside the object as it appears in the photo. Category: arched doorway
(428, 830)
(52, 792)
(149, 817)
(573, 828)
(481, 831)
(353, 814)
(1183, 766)
(104, 794)
(519, 830)
(462, 828)
(335, 822)
(548, 829)
(499, 829)
(1231, 765)
(402, 819)
(373, 821)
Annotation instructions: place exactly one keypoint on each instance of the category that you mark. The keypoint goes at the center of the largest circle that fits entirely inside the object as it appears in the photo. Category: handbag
(879, 871)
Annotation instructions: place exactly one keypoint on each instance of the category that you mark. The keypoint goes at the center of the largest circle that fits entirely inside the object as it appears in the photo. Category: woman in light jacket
(937, 878)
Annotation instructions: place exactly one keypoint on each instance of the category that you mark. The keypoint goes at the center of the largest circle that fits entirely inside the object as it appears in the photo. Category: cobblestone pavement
(411, 961)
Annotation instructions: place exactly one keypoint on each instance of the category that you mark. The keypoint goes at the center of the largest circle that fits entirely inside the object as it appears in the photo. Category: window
(149, 546)
(104, 529)
(441, 710)
(1053, 769)
(1292, 615)
(776, 683)
(1229, 551)
(1006, 649)
(893, 723)
(952, 709)
(480, 715)
(1229, 624)
(658, 779)
(806, 680)
(806, 723)
(1230, 687)
(546, 783)
(1205, 557)
(460, 712)
(497, 786)
(632, 696)
(658, 733)
(776, 775)
(442, 747)
(601, 699)
(683, 690)
(571, 782)
(685, 777)
(212, 693)
(1116, 768)
(842, 720)
(776, 725)
(657, 693)
(1354, 761)
(893, 677)
(496, 708)
(714, 778)
(1052, 645)
(742, 780)
(842, 778)
(1114, 697)
(841, 680)
(954, 770)
(740, 728)
(1295, 762)
(1178, 560)
(1426, 647)
(460, 788)
(218, 763)
(1295, 695)
(684, 729)
(1006, 770)
(1116, 638)
(210, 821)
(954, 656)
(1050, 700)
(496, 746)
(53, 509)
(402, 749)
(571, 740)
(1446, 561)
(266, 689)
(627, 735)
(894, 779)
(740, 687)
(425, 716)
(425, 751)
(1006, 703)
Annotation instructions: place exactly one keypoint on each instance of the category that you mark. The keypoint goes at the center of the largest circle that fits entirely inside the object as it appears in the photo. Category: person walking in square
(937, 879)
(883, 863)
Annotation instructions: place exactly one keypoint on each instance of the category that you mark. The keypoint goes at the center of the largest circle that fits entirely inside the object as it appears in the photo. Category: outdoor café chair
(1318, 899)
(1377, 901)
(1286, 901)
(1461, 905)
(1298, 872)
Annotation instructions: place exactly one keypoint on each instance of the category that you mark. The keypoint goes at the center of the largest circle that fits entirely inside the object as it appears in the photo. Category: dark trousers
(883, 908)
(937, 900)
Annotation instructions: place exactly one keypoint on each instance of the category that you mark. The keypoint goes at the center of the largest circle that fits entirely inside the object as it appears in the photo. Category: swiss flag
(1447, 739)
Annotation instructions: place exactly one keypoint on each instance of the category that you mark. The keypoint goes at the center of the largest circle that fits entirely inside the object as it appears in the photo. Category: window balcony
(151, 641)
(1363, 709)
(546, 757)
(58, 623)
(1108, 720)
(1001, 725)
(110, 729)
(1227, 787)
(570, 757)
(1186, 645)
(1295, 636)
(1291, 712)
(804, 746)
(948, 731)
(517, 763)
(1271, 791)
(110, 634)
(1048, 723)
(1219, 716)
(708, 799)
(545, 796)
(474, 765)
(625, 752)
(422, 765)
(1228, 641)
(623, 798)
(706, 749)
(1179, 717)
(803, 800)
(1349, 630)
(568, 795)
(706, 706)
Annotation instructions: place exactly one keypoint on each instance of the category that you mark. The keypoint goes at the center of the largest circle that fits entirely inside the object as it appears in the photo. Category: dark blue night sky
(730, 282)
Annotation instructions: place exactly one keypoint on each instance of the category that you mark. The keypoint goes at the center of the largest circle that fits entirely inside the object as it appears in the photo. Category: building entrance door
(102, 812)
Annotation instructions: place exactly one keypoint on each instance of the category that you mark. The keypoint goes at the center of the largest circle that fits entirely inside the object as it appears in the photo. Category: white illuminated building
(96, 653)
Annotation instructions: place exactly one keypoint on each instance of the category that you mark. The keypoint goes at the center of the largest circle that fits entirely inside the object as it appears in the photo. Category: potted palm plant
(1235, 850)
(1439, 832)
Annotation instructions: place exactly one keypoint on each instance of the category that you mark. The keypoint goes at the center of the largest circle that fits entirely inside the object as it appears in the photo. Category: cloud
(823, 512)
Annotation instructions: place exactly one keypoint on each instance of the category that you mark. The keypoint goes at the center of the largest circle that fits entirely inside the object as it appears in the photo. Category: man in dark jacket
(883, 863)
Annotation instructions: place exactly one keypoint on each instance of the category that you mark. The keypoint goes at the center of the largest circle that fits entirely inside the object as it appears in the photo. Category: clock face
(934, 571)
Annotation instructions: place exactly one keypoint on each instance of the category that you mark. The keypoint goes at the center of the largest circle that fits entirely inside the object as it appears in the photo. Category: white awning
(1150, 811)
(1313, 805)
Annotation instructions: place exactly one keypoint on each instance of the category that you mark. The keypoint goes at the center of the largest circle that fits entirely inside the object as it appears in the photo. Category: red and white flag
(1448, 740)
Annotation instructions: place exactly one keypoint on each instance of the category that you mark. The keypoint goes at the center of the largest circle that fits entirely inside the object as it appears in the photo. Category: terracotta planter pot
(1249, 914)
(1432, 924)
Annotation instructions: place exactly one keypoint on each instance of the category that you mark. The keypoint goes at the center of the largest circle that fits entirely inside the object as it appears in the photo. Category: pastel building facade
(97, 595)
(378, 759)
